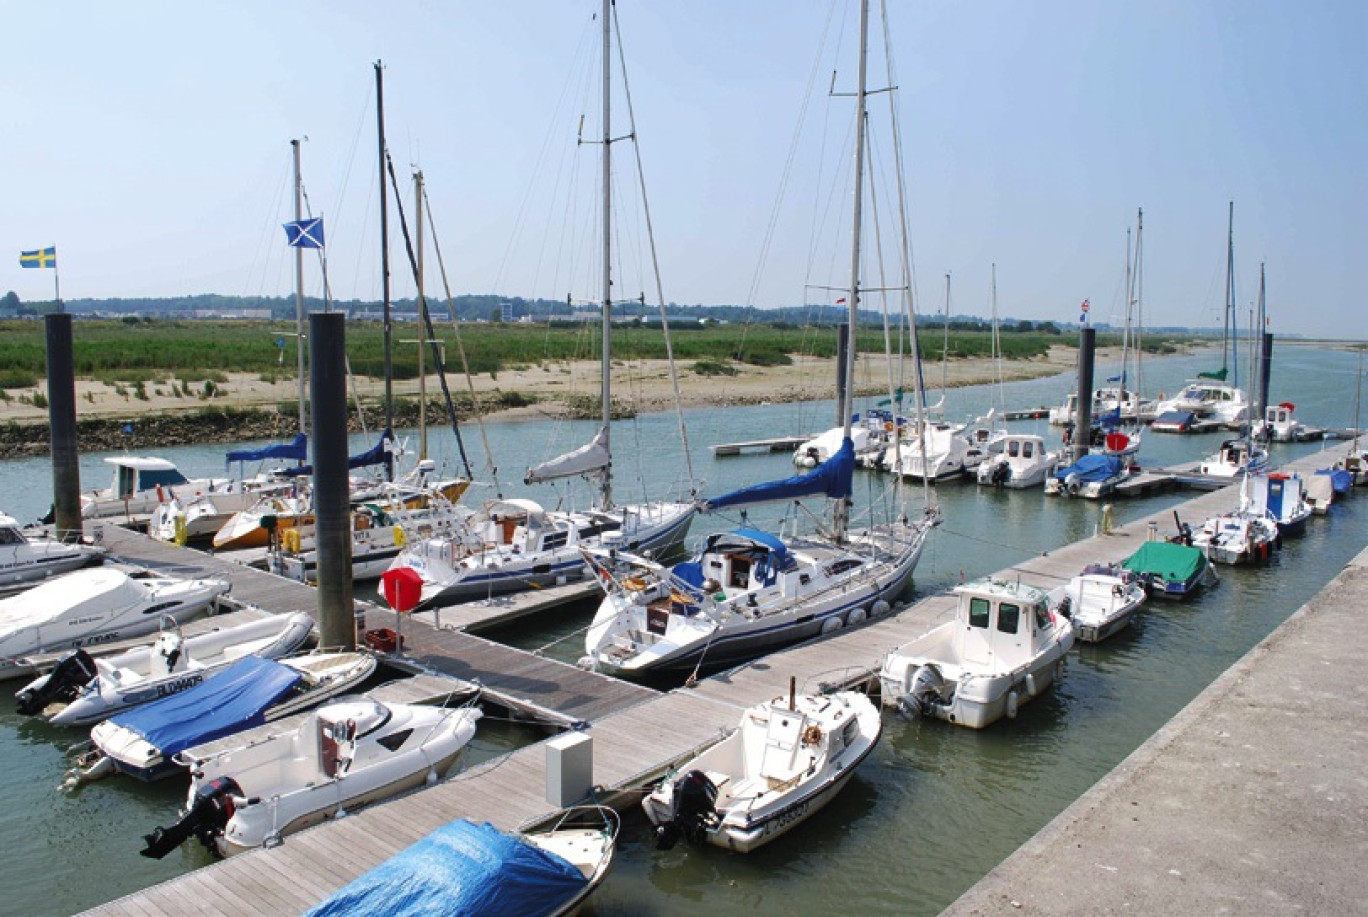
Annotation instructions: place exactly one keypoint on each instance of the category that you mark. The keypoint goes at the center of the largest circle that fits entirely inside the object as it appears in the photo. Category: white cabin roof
(141, 463)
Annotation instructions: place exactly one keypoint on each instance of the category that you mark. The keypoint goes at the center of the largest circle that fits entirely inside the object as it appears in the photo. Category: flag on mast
(43, 257)
(1083, 319)
(305, 233)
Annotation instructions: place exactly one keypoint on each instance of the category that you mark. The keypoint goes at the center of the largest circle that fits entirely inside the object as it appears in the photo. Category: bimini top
(297, 450)
(832, 478)
(1173, 562)
(235, 699)
(461, 868)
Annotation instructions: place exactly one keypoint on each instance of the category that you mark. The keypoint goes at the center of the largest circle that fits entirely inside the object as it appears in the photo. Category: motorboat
(1235, 457)
(1326, 486)
(785, 761)
(145, 742)
(1005, 647)
(346, 754)
(180, 519)
(469, 868)
(515, 544)
(939, 452)
(1023, 461)
(1174, 422)
(82, 691)
(1209, 400)
(1282, 497)
(1280, 425)
(140, 483)
(871, 434)
(1170, 570)
(1100, 601)
(744, 593)
(1240, 537)
(1091, 476)
(1131, 407)
(29, 557)
(94, 606)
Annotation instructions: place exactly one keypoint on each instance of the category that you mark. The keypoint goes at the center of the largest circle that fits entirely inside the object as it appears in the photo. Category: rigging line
(460, 350)
(996, 544)
(655, 265)
(427, 321)
(264, 239)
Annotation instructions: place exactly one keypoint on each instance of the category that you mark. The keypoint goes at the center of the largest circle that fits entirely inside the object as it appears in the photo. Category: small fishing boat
(1170, 570)
(1280, 425)
(1005, 647)
(346, 754)
(1022, 461)
(1240, 537)
(1282, 497)
(469, 868)
(81, 691)
(145, 742)
(29, 557)
(785, 760)
(1235, 457)
(1100, 601)
(1091, 477)
(140, 483)
(90, 607)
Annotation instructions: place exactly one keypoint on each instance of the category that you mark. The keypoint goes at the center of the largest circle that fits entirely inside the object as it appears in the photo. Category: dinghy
(144, 742)
(1100, 601)
(90, 607)
(346, 754)
(785, 760)
(1005, 647)
(81, 691)
(468, 868)
(28, 558)
(1171, 571)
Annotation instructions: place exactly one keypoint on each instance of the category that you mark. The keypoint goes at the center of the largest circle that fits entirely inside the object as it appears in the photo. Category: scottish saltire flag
(43, 257)
(305, 233)
(1085, 307)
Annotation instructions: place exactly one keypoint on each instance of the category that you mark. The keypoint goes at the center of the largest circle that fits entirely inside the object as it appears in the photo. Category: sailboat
(515, 544)
(750, 591)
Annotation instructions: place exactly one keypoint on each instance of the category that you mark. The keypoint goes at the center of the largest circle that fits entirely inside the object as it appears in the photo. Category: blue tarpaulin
(297, 451)
(1091, 468)
(459, 869)
(1341, 481)
(376, 455)
(235, 699)
(832, 478)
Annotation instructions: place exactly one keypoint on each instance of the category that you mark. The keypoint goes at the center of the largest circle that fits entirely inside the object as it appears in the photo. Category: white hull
(1100, 604)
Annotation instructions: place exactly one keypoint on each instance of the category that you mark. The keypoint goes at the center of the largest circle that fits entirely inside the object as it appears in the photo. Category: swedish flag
(43, 257)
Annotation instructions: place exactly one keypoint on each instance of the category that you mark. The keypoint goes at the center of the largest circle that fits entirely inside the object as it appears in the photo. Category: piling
(1265, 363)
(1082, 432)
(332, 511)
(66, 467)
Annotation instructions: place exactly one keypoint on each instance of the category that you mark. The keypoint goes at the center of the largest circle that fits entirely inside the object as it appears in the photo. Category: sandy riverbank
(644, 384)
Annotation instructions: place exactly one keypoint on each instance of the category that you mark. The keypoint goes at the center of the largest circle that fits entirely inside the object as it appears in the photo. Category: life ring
(289, 540)
(179, 534)
(888, 426)
(812, 735)
(399, 538)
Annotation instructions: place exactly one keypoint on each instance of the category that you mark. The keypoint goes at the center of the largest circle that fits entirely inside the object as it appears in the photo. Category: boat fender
(1013, 704)
(856, 616)
(880, 608)
(831, 625)
(1031, 690)
(399, 538)
(179, 534)
(289, 540)
(812, 735)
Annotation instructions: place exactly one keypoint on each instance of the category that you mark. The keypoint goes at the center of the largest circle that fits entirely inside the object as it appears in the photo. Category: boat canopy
(1173, 562)
(592, 456)
(832, 478)
(1091, 468)
(297, 451)
(235, 699)
(461, 868)
(379, 454)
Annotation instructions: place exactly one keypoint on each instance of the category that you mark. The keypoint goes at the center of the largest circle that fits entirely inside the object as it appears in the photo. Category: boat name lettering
(179, 685)
(787, 817)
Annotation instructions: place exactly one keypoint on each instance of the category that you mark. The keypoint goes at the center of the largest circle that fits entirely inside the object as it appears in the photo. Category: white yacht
(1023, 461)
(30, 557)
(1209, 400)
(1234, 458)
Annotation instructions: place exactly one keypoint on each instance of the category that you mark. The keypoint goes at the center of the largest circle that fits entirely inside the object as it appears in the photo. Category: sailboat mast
(945, 336)
(384, 249)
(1139, 304)
(1125, 328)
(606, 496)
(1227, 345)
(299, 287)
(422, 314)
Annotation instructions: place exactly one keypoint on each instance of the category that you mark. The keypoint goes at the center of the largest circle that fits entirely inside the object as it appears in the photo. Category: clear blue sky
(150, 143)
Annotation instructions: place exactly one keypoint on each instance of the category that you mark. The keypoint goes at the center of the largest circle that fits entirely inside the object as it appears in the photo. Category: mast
(945, 337)
(841, 510)
(299, 287)
(1125, 328)
(422, 316)
(384, 251)
(606, 493)
(1139, 306)
(1227, 344)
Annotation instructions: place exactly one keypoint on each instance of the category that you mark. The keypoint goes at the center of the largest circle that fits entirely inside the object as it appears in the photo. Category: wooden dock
(777, 444)
(634, 743)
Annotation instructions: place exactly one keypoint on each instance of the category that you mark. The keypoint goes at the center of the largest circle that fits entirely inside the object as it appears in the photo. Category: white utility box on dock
(569, 769)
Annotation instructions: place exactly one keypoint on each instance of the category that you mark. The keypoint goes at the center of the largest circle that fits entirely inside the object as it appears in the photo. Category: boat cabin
(133, 474)
(1001, 625)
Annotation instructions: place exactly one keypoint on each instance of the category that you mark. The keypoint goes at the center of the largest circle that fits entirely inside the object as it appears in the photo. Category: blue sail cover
(233, 700)
(832, 478)
(459, 869)
(1092, 468)
(376, 455)
(1341, 481)
(297, 451)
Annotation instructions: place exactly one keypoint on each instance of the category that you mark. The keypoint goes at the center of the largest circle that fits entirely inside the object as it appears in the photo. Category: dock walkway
(632, 746)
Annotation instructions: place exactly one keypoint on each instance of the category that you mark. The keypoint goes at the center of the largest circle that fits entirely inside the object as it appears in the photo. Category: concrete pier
(1253, 800)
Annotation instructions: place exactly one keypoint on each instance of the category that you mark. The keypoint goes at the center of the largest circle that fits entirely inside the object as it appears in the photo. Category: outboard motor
(206, 819)
(693, 812)
(926, 688)
(64, 683)
(1001, 474)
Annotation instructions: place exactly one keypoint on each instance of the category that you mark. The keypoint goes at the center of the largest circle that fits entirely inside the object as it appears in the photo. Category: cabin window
(841, 566)
(555, 540)
(740, 573)
(395, 740)
(978, 612)
(1013, 448)
(10, 536)
(1027, 449)
(1009, 618)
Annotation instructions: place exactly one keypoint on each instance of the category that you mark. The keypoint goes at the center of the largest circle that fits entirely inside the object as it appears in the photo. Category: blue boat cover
(297, 451)
(1091, 468)
(376, 455)
(1341, 481)
(459, 869)
(833, 478)
(1110, 419)
(1176, 419)
(235, 699)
